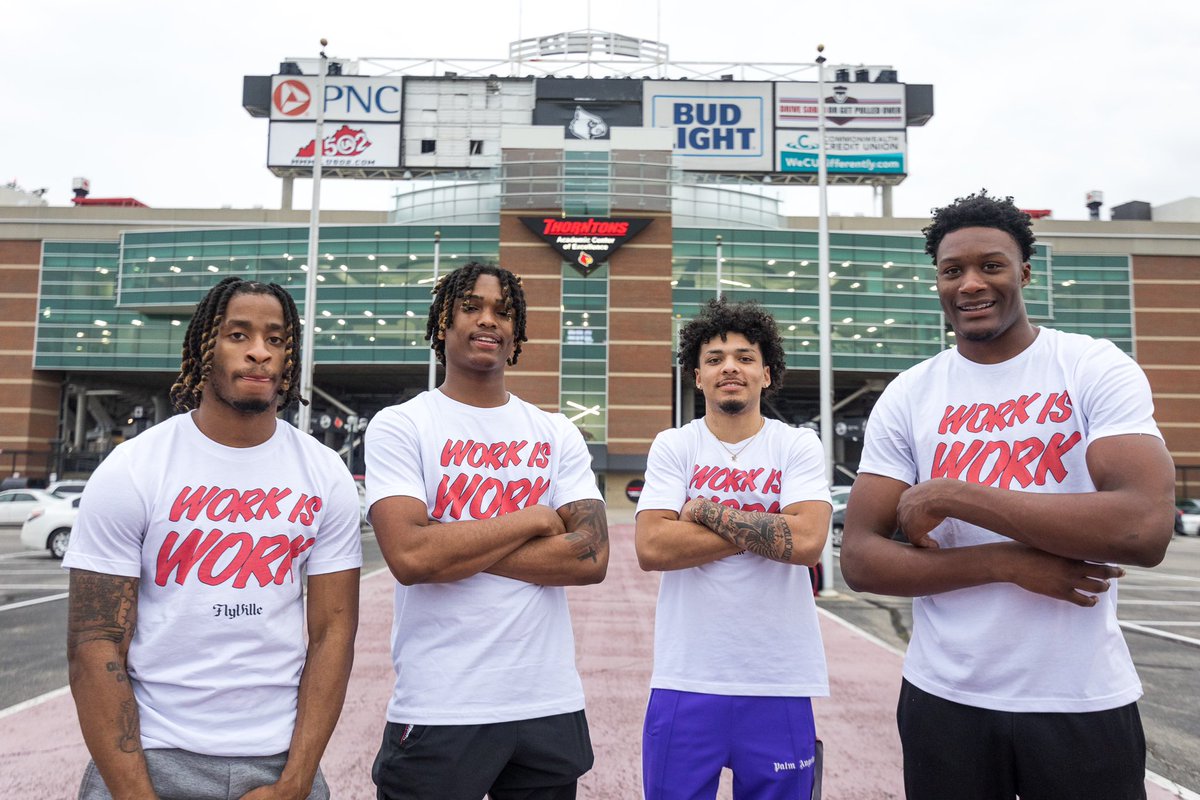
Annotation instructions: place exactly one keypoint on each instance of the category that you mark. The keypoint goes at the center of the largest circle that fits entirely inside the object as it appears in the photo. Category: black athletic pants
(958, 752)
(533, 759)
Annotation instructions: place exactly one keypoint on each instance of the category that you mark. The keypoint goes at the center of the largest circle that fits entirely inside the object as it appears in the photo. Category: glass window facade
(81, 326)
(886, 315)
(373, 291)
(1094, 295)
(586, 183)
(125, 305)
(583, 381)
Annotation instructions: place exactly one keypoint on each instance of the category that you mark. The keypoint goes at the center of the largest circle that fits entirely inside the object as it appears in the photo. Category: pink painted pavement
(42, 753)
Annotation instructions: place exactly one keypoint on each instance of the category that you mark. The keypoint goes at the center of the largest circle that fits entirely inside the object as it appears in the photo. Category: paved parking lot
(1159, 608)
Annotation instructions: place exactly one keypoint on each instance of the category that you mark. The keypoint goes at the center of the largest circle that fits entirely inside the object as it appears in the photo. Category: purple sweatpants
(768, 743)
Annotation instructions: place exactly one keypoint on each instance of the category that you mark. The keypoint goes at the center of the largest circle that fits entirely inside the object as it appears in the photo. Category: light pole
(308, 338)
(824, 336)
(720, 258)
(437, 254)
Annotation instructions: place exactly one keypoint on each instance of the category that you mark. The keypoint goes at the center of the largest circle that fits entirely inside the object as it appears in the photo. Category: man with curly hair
(1022, 465)
(734, 507)
(485, 507)
(187, 615)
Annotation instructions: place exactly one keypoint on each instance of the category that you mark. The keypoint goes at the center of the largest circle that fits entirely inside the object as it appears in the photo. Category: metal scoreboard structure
(402, 118)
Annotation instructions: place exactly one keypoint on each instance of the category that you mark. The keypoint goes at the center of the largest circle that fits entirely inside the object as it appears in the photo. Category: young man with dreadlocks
(1021, 464)
(485, 507)
(187, 620)
(734, 507)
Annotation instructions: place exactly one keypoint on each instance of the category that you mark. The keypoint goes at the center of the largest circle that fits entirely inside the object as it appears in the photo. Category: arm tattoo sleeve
(767, 535)
(104, 608)
(101, 607)
(587, 527)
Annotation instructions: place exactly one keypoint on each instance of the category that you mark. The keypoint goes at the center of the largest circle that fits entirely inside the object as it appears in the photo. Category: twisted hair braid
(200, 341)
(455, 285)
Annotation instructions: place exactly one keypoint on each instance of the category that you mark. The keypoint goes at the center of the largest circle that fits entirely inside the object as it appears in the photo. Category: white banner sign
(350, 98)
(847, 105)
(847, 152)
(347, 144)
(719, 126)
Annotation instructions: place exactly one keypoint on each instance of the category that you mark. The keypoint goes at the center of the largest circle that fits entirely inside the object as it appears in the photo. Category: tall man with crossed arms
(485, 507)
(1023, 464)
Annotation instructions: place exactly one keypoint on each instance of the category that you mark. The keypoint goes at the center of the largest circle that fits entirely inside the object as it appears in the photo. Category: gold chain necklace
(733, 454)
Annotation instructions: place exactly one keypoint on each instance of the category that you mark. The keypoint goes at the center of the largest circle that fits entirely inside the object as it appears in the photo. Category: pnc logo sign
(291, 98)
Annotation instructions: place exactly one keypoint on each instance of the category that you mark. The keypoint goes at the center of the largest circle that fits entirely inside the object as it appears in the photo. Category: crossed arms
(536, 544)
(1056, 537)
(102, 618)
(704, 531)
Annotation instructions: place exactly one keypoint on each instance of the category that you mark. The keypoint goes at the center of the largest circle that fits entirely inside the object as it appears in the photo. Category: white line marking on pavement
(870, 637)
(1171, 786)
(1126, 587)
(33, 701)
(1153, 622)
(35, 601)
(34, 571)
(1174, 637)
(32, 587)
(26, 554)
(1161, 576)
(1124, 602)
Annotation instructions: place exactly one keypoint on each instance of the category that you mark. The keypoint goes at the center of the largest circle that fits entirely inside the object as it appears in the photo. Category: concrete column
(162, 408)
(285, 200)
(80, 416)
(886, 199)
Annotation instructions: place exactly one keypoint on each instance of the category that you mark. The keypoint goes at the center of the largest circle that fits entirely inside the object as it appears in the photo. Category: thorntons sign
(586, 243)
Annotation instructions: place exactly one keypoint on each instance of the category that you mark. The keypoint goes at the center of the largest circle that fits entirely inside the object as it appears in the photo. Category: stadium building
(624, 199)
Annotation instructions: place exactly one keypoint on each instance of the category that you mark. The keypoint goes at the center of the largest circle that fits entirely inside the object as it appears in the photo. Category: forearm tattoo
(767, 535)
(587, 528)
(129, 728)
(104, 608)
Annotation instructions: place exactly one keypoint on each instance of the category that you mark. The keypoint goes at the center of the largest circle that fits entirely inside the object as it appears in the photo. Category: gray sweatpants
(180, 775)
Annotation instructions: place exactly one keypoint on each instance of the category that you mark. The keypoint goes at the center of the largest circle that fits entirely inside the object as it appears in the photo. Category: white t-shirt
(1025, 425)
(713, 632)
(485, 648)
(220, 538)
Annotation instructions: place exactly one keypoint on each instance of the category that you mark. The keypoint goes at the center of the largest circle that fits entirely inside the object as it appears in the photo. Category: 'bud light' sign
(717, 126)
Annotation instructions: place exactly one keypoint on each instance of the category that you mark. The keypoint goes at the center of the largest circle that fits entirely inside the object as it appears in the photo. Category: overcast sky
(1041, 100)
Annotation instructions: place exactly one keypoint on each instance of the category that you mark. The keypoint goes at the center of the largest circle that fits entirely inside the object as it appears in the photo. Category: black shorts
(954, 751)
(533, 759)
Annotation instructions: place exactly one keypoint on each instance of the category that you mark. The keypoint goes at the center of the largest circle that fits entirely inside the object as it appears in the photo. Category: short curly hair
(980, 211)
(719, 318)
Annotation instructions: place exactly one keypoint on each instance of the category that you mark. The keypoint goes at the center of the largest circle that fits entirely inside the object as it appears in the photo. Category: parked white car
(48, 527)
(15, 504)
(66, 489)
(1191, 516)
(839, 495)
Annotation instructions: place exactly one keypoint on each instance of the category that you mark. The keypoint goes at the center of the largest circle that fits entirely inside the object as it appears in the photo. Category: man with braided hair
(187, 620)
(1023, 464)
(485, 507)
(734, 507)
